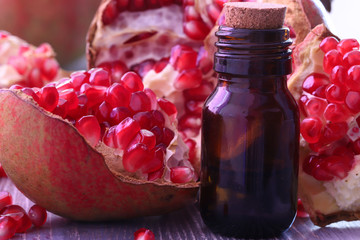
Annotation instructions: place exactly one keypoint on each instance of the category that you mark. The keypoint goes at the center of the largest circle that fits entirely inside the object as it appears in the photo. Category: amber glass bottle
(250, 137)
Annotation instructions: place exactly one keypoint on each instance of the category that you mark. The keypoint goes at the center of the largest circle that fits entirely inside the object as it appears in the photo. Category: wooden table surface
(180, 225)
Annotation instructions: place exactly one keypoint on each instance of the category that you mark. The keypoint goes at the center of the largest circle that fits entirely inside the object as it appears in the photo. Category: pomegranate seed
(221, 3)
(144, 234)
(49, 98)
(152, 96)
(135, 156)
(152, 4)
(301, 210)
(117, 96)
(314, 81)
(194, 107)
(331, 59)
(310, 129)
(335, 93)
(5, 199)
(37, 215)
(19, 63)
(338, 75)
(64, 84)
(109, 13)
(302, 102)
(103, 112)
(346, 45)
(156, 175)
(62, 108)
(19, 215)
(183, 57)
(139, 102)
(35, 78)
(166, 2)
(213, 12)
(8, 227)
(168, 136)
(132, 82)
(145, 137)
(30, 92)
(49, 68)
(99, 77)
(157, 119)
(116, 69)
(108, 138)
(353, 78)
(118, 114)
(144, 67)
(190, 13)
(196, 30)
(333, 132)
(192, 149)
(82, 108)
(70, 96)
(314, 166)
(154, 163)
(200, 93)
(181, 174)
(337, 166)
(351, 58)
(203, 61)
(168, 107)
(89, 127)
(328, 43)
(190, 78)
(320, 92)
(79, 78)
(356, 146)
(352, 101)
(158, 133)
(125, 132)
(137, 5)
(15, 87)
(315, 106)
(144, 119)
(335, 112)
(160, 65)
(122, 5)
(95, 94)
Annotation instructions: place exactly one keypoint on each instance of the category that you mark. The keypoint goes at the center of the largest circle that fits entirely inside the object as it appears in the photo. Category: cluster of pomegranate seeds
(331, 106)
(14, 219)
(144, 234)
(123, 115)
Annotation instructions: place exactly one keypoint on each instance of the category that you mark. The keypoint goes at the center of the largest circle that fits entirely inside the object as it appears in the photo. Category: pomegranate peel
(58, 169)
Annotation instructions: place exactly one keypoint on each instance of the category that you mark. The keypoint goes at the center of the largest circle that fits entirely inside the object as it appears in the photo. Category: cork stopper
(254, 15)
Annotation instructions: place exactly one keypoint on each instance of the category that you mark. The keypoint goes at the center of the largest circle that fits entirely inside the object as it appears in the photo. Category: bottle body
(250, 137)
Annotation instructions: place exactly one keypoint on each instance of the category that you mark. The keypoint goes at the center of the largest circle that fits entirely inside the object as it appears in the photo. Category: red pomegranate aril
(109, 13)
(333, 132)
(116, 70)
(19, 215)
(35, 78)
(145, 137)
(62, 108)
(166, 2)
(157, 119)
(213, 12)
(109, 138)
(301, 210)
(155, 163)
(335, 112)
(331, 59)
(135, 156)
(122, 5)
(8, 227)
(5, 199)
(49, 68)
(16, 87)
(99, 77)
(89, 127)
(132, 82)
(335, 93)
(190, 13)
(144, 234)
(125, 131)
(314, 81)
(137, 5)
(103, 112)
(203, 61)
(351, 58)
(181, 174)
(192, 149)
(158, 134)
(117, 96)
(190, 78)
(194, 107)
(353, 78)
(95, 94)
(328, 43)
(160, 65)
(152, 4)
(310, 129)
(144, 67)
(49, 98)
(118, 114)
(337, 166)
(155, 175)
(168, 107)
(315, 106)
(144, 119)
(19, 63)
(79, 78)
(196, 30)
(356, 146)
(352, 101)
(152, 97)
(302, 102)
(30, 92)
(347, 45)
(82, 108)
(200, 93)
(139, 102)
(70, 96)
(183, 57)
(64, 85)
(168, 136)
(37, 215)
(339, 75)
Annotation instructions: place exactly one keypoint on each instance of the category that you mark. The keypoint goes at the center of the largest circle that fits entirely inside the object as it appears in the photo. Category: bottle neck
(250, 52)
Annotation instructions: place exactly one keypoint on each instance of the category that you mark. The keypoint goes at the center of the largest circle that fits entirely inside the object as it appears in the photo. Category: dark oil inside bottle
(250, 137)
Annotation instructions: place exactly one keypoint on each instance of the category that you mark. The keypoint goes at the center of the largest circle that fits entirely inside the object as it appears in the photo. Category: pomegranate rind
(55, 167)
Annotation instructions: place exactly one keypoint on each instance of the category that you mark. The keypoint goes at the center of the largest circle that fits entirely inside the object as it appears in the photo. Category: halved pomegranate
(326, 86)
(95, 150)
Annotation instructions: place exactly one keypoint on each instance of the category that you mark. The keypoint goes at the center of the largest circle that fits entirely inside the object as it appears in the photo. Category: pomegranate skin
(54, 166)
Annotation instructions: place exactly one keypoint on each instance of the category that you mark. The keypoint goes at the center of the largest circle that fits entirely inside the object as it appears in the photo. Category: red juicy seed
(132, 82)
(315, 166)
(168, 107)
(320, 92)
(70, 96)
(352, 101)
(155, 163)
(213, 12)
(160, 65)
(152, 4)
(108, 138)
(188, 2)
(328, 43)
(95, 94)
(194, 107)
(122, 4)
(346, 45)
(166, 2)
(103, 112)
(353, 78)
(336, 166)
(200, 93)
(302, 102)
(118, 114)
(356, 146)
(116, 69)
(49, 98)
(192, 149)
(333, 132)
(117, 96)
(181, 174)
(158, 134)
(145, 137)
(156, 175)
(137, 5)
(314, 81)
(78, 79)
(139, 102)
(168, 136)
(109, 13)
(144, 119)
(331, 59)
(135, 156)
(35, 78)
(301, 210)
(5, 199)
(49, 68)
(19, 63)
(338, 75)
(351, 58)
(64, 84)
(30, 92)
(99, 77)
(335, 112)
(104, 126)
(62, 108)
(335, 93)
(8, 227)
(144, 234)
(19, 215)
(189, 121)
(190, 78)
(183, 57)
(221, 3)
(125, 132)
(89, 127)
(203, 61)
(143, 68)
(190, 13)
(310, 129)
(152, 96)
(315, 106)
(157, 118)
(15, 86)
(196, 30)
(82, 108)
(37, 215)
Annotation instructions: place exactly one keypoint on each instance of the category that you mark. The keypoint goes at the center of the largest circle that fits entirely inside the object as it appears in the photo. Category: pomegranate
(119, 139)
(144, 234)
(325, 84)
